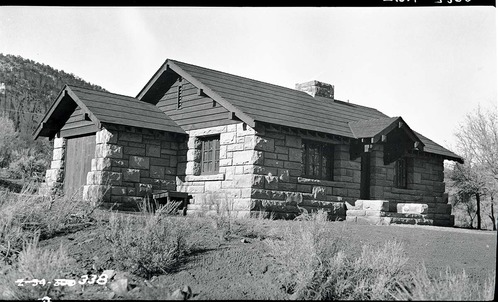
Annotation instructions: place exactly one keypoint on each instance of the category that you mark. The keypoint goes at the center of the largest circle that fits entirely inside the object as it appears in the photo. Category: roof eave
(152, 80)
(65, 91)
(49, 112)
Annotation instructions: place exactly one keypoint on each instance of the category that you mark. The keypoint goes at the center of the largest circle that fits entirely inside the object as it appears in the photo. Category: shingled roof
(255, 101)
(104, 107)
(269, 103)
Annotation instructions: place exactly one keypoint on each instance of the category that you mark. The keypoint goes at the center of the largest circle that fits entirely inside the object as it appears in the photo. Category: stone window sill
(207, 177)
(401, 190)
(313, 181)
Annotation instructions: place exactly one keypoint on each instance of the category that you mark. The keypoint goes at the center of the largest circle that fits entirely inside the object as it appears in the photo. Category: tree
(470, 184)
(7, 138)
(478, 136)
(477, 179)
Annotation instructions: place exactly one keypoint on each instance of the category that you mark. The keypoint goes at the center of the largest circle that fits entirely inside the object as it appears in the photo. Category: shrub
(7, 138)
(317, 266)
(26, 213)
(302, 251)
(260, 226)
(219, 207)
(35, 263)
(27, 165)
(449, 286)
(374, 275)
(149, 244)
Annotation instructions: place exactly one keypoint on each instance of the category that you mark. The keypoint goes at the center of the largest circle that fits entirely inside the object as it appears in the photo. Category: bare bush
(149, 244)
(303, 248)
(449, 286)
(220, 208)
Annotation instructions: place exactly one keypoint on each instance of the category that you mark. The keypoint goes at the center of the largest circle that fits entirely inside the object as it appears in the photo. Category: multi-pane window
(210, 156)
(400, 173)
(317, 160)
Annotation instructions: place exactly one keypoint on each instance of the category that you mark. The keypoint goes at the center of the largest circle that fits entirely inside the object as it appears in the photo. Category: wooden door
(78, 161)
(365, 176)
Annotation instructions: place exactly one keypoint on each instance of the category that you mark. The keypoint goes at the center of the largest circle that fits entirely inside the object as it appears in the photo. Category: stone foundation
(377, 212)
(425, 188)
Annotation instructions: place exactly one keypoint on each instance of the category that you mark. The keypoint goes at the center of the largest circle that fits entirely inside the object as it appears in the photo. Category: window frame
(213, 163)
(322, 149)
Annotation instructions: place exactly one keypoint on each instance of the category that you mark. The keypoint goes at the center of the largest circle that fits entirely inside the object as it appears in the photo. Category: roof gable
(60, 111)
(153, 90)
(103, 107)
(375, 129)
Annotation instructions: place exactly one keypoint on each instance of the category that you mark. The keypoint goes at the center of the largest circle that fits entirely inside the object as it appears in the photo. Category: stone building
(257, 146)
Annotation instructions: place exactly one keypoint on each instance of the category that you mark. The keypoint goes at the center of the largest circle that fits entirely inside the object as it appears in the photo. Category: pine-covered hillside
(27, 89)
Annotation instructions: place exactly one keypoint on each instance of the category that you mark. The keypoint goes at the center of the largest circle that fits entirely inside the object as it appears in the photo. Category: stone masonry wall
(129, 163)
(231, 187)
(425, 185)
(261, 171)
(54, 177)
(284, 192)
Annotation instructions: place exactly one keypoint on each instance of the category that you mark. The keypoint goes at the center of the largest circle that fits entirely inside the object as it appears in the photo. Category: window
(210, 154)
(400, 173)
(318, 160)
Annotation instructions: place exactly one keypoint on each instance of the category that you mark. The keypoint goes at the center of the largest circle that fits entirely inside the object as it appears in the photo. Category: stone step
(407, 215)
(417, 221)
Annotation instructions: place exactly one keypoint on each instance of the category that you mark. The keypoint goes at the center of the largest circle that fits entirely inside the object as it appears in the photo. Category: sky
(429, 65)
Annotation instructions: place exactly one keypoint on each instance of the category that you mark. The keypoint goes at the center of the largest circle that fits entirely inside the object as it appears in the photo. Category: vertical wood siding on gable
(76, 124)
(196, 112)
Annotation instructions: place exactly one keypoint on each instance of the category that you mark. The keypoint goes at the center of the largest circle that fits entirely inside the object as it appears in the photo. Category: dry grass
(449, 286)
(317, 267)
(314, 263)
(26, 213)
(152, 243)
(35, 263)
(219, 208)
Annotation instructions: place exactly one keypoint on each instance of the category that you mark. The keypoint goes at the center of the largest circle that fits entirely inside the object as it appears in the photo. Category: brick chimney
(316, 88)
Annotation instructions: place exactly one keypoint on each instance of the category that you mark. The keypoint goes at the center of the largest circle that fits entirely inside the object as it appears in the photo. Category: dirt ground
(243, 268)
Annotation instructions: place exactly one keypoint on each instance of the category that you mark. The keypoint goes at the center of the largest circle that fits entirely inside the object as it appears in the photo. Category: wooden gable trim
(207, 91)
(85, 109)
(51, 110)
(45, 122)
(153, 80)
(202, 89)
(398, 123)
